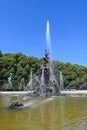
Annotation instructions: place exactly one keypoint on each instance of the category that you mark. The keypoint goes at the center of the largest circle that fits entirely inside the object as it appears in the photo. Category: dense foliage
(73, 74)
(14, 67)
(17, 67)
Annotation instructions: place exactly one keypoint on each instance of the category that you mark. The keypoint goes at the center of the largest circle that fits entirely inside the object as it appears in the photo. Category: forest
(16, 68)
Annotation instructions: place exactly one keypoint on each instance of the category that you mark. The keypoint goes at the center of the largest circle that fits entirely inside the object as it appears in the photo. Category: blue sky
(23, 28)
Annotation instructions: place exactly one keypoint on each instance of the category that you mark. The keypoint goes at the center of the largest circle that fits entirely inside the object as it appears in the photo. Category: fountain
(44, 83)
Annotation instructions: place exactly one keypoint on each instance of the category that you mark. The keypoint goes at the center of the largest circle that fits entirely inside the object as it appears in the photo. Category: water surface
(55, 113)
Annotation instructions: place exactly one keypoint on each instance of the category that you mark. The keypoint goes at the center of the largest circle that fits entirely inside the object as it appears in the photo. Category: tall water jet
(10, 78)
(31, 77)
(61, 82)
(49, 48)
(42, 76)
(29, 84)
(48, 39)
(22, 84)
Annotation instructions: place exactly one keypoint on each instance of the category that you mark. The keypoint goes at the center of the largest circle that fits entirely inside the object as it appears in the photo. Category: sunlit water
(55, 113)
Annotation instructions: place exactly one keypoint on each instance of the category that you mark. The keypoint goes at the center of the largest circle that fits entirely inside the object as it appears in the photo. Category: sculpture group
(44, 84)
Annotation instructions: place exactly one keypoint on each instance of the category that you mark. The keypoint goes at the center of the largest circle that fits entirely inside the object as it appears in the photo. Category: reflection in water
(61, 113)
(62, 102)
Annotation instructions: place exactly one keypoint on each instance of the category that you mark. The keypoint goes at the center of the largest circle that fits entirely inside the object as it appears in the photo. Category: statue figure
(46, 58)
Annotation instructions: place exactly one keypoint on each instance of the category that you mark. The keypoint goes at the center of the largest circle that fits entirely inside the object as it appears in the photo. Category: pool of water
(55, 113)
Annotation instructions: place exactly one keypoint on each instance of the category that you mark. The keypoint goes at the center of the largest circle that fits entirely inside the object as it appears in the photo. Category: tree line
(16, 68)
